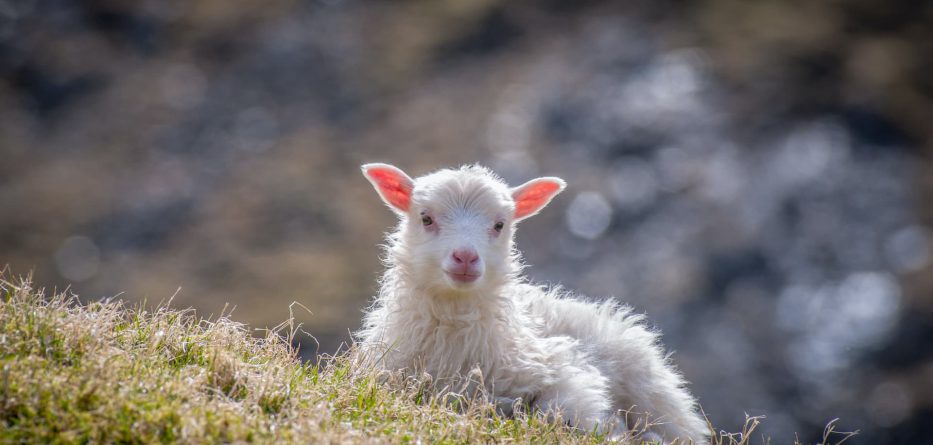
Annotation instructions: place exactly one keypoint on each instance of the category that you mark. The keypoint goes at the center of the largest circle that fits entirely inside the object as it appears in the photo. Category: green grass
(107, 373)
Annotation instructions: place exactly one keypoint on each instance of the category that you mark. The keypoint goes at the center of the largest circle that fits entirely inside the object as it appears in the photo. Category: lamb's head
(457, 225)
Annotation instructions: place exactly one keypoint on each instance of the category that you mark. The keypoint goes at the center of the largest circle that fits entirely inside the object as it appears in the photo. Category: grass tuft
(106, 372)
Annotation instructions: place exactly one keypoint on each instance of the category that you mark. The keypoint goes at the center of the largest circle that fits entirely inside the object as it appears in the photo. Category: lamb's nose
(465, 256)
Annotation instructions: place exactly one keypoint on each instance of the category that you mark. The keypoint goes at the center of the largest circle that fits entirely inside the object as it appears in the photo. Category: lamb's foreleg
(581, 397)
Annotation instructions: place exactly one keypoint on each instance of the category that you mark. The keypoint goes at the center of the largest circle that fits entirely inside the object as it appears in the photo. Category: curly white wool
(438, 314)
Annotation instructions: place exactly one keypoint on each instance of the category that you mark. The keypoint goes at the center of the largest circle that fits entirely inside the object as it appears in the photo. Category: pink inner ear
(394, 186)
(532, 197)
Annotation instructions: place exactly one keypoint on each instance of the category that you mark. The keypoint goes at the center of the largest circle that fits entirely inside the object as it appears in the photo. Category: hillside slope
(104, 373)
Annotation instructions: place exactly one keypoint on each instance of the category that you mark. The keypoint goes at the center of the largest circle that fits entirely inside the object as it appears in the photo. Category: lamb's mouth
(463, 277)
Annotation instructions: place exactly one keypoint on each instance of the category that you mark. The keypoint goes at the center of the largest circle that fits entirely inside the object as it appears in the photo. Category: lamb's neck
(450, 334)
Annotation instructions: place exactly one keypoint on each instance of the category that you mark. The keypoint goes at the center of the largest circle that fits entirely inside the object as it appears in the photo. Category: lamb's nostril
(467, 256)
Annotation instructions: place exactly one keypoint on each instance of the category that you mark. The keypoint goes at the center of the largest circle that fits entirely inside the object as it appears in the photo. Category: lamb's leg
(581, 397)
(643, 378)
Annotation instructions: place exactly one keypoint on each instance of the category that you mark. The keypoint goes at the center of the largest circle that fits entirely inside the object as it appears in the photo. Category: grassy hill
(106, 373)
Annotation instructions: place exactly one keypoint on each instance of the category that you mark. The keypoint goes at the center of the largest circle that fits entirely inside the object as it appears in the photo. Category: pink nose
(465, 256)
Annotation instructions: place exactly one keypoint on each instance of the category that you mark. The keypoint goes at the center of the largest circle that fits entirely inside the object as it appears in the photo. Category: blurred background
(756, 177)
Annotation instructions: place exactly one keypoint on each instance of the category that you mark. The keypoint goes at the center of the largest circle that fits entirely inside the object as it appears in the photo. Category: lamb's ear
(393, 185)
(533, 195)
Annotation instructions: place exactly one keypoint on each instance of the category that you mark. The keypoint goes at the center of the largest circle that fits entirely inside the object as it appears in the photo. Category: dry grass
(104, 373)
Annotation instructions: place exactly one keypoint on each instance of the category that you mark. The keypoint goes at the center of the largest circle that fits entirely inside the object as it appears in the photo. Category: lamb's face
(457, 225)
(458, 230)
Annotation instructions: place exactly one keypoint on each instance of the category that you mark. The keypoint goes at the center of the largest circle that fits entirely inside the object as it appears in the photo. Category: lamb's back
(558, 312)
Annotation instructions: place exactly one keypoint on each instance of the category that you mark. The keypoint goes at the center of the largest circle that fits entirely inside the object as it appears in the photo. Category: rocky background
(755, 176)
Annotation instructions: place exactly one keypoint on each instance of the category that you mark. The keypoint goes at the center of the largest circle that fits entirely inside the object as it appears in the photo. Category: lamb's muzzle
(452, 303)
(463, 266)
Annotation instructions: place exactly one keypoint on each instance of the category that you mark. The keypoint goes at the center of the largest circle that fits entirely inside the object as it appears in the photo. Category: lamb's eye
(426, 220)
(499, 225)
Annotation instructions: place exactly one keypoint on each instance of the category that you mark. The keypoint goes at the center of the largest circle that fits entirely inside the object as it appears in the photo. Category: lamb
(452, 303)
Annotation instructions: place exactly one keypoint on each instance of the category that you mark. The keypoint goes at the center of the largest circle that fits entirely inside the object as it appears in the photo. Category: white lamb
(452, 302)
